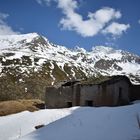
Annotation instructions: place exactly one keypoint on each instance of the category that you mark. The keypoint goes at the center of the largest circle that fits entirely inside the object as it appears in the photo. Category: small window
(69, 104)
(89, 103)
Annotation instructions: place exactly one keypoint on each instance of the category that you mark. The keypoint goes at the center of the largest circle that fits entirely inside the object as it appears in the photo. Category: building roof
(114, 79)
(94, 81)
(71, 83)
(106, 80)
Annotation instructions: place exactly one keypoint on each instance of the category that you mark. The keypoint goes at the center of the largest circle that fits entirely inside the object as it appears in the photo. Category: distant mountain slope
(29, 62)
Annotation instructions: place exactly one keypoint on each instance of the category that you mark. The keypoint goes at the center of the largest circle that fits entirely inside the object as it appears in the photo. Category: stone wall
(110, 93)
(114, 93)
(105, 94)
(135, 92)
(58, 97)
(88, 93)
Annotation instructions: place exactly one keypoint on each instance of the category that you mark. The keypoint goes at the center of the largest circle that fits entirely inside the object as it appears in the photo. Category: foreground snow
(78, 123)
(17, 125)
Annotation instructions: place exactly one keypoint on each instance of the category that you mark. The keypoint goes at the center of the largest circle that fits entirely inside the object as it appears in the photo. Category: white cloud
(139, 21)
(95, 23)
(90, 27)
(41, 2)
(116, 29)
(3, 16)
(5, 29)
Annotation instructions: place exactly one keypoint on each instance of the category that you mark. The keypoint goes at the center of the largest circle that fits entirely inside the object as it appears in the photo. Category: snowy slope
(77, 123)
(17, 125)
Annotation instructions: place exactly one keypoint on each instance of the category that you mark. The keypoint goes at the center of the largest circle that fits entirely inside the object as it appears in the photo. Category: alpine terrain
(29, 62)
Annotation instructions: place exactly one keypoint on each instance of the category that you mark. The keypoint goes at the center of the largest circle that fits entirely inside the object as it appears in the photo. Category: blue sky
(83, 23)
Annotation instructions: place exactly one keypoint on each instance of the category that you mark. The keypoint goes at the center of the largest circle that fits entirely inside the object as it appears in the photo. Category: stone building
(112, 92)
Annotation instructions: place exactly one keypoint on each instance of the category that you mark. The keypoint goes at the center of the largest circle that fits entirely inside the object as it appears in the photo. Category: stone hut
(112, 92)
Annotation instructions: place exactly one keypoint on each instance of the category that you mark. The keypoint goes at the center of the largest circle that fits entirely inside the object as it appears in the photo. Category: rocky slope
(30, 62)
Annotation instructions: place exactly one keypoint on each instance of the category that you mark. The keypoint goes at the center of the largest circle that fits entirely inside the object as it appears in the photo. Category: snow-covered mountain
(31, 56)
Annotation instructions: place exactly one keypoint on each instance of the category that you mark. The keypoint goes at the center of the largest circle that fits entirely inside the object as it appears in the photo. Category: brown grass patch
(11, 107)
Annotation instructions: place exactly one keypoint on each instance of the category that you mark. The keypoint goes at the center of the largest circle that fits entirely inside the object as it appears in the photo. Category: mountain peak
(78, 49)
(102, 49)
(20, 35)
(10, 41)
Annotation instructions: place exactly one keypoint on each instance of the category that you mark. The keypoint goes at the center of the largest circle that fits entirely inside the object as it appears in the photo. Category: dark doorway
(120, 93)
(121, 101)
(89, 103)
(69, 104)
